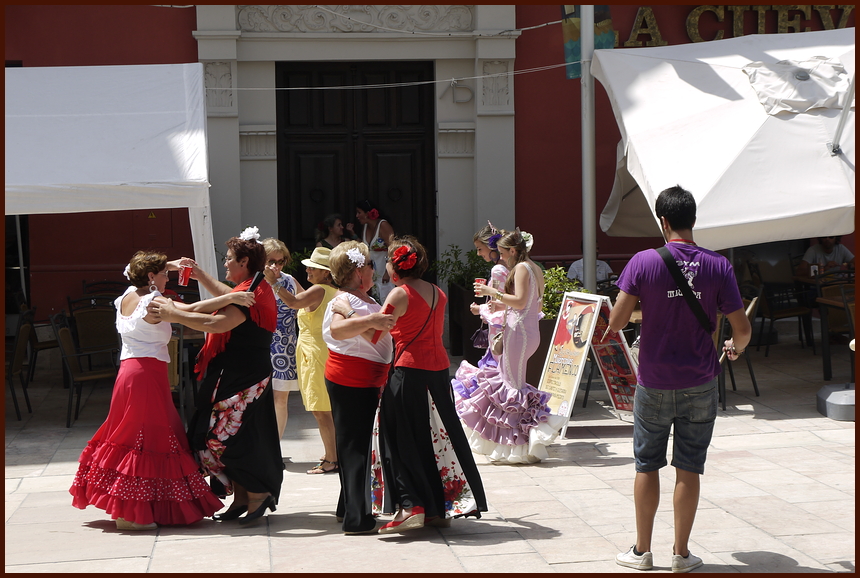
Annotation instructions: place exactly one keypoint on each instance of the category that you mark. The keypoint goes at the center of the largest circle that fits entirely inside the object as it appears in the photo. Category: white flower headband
(529, 240)
(250, 233)
(126, 271)
(356, 257)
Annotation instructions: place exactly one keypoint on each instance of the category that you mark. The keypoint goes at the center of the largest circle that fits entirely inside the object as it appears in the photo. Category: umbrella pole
(835, 149)
(589, 213)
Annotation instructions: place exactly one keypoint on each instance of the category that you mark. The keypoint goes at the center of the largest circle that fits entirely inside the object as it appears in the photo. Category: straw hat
(318, 259)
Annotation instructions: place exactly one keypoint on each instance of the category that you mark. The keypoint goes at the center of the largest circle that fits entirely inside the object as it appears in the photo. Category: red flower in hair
(404, 258)
(372, 214)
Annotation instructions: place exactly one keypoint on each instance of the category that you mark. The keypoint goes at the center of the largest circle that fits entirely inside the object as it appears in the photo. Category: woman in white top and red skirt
(355, 371)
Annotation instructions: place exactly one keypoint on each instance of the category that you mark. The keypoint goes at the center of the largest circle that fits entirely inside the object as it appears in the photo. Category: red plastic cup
(482, 281)
(184, 275)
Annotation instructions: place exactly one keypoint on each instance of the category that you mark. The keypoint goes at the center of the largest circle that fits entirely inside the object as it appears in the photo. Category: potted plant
(556, 284)
(459, 270)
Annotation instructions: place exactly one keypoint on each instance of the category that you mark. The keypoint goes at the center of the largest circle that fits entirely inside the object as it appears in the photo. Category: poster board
(580, 325)
(617, 367)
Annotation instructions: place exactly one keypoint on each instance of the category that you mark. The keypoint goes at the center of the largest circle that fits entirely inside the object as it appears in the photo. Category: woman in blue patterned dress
(284, 376)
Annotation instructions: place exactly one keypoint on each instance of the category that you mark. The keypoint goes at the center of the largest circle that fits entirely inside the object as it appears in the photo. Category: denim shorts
(693, 412)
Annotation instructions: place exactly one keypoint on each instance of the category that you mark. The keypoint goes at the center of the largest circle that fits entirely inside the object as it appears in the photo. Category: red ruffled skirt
(139, 466)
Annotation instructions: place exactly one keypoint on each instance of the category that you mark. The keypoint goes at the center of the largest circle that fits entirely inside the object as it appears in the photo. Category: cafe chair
(95, 331)
(72, 365)
(35, 347)
(109, 288)
(780, 301)
(15, 366)
(751, 308)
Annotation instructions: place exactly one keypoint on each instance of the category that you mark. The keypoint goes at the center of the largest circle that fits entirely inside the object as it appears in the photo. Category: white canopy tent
(735, 122)
(109, 138)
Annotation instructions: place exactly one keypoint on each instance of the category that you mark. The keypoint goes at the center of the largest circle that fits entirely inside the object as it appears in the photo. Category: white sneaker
(644, 561)
(681, 564)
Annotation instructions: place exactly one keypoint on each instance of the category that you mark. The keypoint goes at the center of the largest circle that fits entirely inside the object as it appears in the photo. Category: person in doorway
(678, 368)
(829, 253)
(331, 232)
(376, 234)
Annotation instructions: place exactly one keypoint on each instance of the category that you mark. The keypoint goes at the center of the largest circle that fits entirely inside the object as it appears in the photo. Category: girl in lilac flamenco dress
(505, 418)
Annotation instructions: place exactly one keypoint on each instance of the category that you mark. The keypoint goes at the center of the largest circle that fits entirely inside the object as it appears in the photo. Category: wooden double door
(339, 146)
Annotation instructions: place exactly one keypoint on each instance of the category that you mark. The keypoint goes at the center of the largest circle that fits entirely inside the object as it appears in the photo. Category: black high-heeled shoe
(231, 514)
(267, 502)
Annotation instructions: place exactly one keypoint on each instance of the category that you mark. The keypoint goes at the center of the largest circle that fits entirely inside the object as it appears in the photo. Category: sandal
(320, 468)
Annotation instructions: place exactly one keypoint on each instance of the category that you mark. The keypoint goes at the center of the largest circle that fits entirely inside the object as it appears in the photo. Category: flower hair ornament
(527, 238)
(405, 258)
(250, 234)
(372, 214)
(493, 241)
(356, 257)
(126, 271)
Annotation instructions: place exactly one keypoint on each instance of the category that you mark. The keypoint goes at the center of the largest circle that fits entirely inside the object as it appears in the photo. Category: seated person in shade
(829, 253)
(604, 271)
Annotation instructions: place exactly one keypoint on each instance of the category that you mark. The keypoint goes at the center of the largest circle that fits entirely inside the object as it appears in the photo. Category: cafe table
(824, 305)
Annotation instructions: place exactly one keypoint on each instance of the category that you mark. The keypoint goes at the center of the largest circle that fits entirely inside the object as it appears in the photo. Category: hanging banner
(604, 35)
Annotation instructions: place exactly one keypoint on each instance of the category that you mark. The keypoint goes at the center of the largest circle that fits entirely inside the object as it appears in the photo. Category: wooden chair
(72, 364)
(751, 296)
(35, 347)
(95, 331)
(15, 366)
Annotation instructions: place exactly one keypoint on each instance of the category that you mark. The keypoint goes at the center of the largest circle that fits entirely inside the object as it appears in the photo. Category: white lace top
(380, 352)
(139, 338)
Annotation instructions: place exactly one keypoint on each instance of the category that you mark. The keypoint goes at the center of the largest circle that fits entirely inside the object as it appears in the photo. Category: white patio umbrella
(744, 124)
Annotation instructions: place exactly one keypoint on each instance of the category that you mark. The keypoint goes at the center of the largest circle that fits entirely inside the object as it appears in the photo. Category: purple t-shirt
(674, 351)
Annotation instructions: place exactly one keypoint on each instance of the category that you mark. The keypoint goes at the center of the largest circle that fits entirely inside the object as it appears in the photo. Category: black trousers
(411, 474)
(352, 410)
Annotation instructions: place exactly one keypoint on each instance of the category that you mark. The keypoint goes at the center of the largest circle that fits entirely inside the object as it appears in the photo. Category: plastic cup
(482, 281)
(184, 275)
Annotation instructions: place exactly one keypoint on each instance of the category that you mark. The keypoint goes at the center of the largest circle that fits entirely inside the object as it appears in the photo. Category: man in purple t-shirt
(678, 366)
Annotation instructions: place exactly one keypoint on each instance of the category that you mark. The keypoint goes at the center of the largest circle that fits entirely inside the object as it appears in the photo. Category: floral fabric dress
(420, 455)
(505, 418)
(285, 377)
(138, 465)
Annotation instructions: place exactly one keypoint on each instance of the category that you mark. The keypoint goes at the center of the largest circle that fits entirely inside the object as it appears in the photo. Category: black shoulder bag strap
(685, 289)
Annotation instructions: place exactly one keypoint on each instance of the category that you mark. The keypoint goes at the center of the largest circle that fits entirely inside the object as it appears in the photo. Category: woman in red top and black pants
(422, 474)
(354, 371)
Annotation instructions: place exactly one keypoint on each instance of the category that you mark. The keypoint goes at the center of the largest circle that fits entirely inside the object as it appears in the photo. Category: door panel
(336, 147)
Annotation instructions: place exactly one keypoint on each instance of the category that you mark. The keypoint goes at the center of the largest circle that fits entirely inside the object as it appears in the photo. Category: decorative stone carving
(257, 144)
(495, 84)
(218, 77)
(455, 142)
(426, 18)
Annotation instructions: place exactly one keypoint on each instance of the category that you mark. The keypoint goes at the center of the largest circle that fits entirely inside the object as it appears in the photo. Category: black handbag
(481, 337)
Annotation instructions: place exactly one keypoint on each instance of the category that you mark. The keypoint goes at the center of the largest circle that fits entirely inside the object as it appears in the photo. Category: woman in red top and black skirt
(357, 367)
(429, 472)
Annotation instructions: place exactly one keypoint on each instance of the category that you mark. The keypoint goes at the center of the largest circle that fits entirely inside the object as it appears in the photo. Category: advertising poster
(566, 357)
(615, 362)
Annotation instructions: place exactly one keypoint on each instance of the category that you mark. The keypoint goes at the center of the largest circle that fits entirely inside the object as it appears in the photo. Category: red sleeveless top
(427, 351)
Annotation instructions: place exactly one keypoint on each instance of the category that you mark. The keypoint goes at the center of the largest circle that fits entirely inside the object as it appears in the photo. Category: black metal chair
(751, 295)
(780, 301)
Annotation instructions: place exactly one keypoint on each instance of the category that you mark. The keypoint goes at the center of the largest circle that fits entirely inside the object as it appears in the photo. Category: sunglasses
(279, 262)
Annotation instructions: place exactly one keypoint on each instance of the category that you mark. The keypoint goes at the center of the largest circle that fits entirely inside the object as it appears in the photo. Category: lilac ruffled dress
(505, 418)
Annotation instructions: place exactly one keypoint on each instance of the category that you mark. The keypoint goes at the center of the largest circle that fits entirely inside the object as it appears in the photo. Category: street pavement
(777, 495)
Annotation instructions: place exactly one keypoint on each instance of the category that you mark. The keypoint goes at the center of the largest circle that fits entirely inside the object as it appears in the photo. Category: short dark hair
(254, 251)
(416, 248)
(678, 206)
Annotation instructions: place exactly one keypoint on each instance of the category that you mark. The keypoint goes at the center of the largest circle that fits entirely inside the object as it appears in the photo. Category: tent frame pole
(834, 147)
(589, 202)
